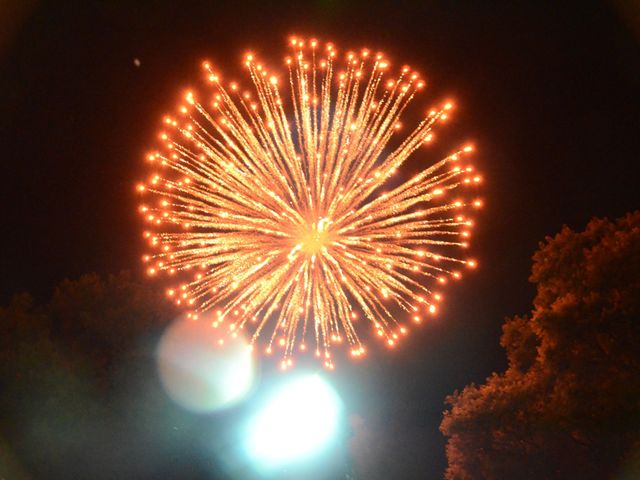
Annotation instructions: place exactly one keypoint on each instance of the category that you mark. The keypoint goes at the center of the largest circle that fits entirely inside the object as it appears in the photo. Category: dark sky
(548, 92)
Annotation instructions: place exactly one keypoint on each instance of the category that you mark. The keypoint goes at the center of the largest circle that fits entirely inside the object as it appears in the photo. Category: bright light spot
(313, 239)
(299, 419)
(197, 372)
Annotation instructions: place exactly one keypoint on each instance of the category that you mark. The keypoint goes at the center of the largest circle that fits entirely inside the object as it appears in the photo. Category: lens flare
(275, 208)
(200, 369)
(284, 430)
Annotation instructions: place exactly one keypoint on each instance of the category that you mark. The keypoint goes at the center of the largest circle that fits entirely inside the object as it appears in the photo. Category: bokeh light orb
(201, 369)
(300, 418)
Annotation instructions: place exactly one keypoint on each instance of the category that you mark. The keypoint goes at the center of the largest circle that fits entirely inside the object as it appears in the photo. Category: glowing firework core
(315, 237)
(275, 211)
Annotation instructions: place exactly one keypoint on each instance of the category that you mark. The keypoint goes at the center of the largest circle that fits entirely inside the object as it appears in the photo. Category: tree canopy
(71, 374)
(568, 405)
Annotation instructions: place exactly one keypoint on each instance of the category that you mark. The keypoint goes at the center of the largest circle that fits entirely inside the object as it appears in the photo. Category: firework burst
(268, 206)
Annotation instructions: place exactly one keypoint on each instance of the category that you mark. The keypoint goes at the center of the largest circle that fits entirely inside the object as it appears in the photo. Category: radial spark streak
(270, 205)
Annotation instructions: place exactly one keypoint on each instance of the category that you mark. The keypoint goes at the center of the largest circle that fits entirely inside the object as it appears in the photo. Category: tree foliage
(568, 405)
(65, 368)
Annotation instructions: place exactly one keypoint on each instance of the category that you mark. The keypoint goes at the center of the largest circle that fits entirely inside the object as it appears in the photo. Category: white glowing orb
(201, 369)
(300, 418)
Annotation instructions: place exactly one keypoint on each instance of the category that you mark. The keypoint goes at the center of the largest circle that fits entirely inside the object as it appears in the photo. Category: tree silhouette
(75, 371)
(568, 405)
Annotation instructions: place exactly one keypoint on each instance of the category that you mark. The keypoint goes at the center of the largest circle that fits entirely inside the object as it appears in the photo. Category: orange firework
(269, 206)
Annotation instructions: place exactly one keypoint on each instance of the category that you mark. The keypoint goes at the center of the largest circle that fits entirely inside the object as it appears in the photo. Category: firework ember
(268, 205)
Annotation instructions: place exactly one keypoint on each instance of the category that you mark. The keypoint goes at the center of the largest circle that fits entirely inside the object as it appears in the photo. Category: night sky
(549, 94)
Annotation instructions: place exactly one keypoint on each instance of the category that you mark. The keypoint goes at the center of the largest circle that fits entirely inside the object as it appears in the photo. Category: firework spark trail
(270, 210)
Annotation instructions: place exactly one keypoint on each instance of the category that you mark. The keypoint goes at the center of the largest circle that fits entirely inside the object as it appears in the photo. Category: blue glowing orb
(299, 419)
